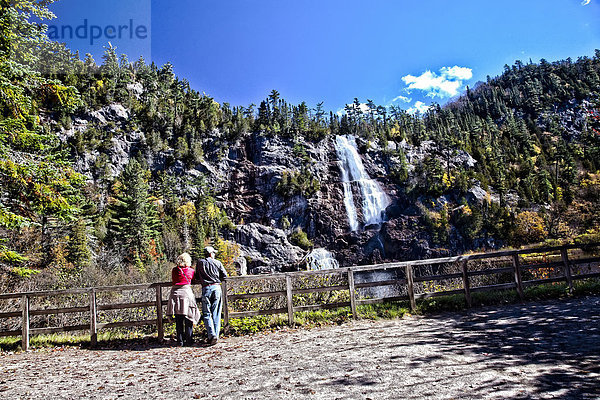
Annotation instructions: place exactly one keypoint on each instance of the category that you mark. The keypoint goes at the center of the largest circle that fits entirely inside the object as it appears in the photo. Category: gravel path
(536, 350)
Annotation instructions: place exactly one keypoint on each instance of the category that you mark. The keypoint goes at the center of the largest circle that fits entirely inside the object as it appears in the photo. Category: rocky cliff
(245, 178)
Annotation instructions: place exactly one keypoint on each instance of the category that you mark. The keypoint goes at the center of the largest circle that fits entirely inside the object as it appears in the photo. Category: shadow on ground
(565, 336)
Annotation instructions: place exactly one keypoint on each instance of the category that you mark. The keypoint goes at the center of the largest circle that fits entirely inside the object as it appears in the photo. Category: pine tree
(78, 247)
(134, 223)
(264, 116)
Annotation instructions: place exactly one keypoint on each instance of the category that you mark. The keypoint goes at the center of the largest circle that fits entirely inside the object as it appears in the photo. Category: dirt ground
(535, 350)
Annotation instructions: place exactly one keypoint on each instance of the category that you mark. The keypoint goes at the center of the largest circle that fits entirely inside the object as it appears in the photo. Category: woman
(182, 301)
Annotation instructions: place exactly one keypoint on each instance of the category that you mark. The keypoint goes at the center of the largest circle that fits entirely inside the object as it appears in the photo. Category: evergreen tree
(79, 252)
(134, 225)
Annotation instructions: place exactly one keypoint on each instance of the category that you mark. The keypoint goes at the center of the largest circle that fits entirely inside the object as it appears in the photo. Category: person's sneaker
(212, 341)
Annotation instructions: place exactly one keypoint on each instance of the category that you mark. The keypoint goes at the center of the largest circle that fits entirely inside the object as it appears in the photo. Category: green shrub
(24, 272)
(297, 183)
(299, 238)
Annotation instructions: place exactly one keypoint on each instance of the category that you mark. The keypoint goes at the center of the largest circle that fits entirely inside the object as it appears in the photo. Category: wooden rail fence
(412, 280)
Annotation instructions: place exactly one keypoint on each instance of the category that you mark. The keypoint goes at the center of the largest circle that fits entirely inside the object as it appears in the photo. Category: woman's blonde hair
(184, 260)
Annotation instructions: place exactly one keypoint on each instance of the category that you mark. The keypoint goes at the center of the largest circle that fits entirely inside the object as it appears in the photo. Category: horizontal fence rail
(288, 293)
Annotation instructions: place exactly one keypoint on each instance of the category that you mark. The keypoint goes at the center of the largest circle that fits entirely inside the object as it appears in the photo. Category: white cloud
(585, 2)
(456, 72)
(363, 107)
(445, 84)
(419, 107)
(403, 99)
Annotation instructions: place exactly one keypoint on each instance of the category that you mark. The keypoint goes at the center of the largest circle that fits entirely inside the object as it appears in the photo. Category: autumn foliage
(530, 227)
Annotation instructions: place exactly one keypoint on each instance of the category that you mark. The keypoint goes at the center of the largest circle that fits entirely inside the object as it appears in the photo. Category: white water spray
(319, 259)
(374, 199)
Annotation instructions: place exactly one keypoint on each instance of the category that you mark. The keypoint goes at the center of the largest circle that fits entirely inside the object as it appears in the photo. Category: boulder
(112, 112)
(136, 89)
(241, 265)
(267, 247)
(476, 195)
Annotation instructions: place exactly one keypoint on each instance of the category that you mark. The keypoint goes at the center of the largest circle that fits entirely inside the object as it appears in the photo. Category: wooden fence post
(466, 283)
(518, 277)
(290, 305)
(565, 258)
(159, 314)
(411, 288)
(25, 325)
(225, 307)
(93, 319)
(351, 289)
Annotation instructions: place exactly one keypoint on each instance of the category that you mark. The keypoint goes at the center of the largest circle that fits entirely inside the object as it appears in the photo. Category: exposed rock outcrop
(267, 249)
(112, 112)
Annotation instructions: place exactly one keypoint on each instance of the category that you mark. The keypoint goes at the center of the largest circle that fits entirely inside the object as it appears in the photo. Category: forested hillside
(109, 170)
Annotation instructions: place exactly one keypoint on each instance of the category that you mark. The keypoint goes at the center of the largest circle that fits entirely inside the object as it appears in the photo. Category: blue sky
(404, 52)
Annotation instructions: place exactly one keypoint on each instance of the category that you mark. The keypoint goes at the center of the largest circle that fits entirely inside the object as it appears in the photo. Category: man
(210, 272)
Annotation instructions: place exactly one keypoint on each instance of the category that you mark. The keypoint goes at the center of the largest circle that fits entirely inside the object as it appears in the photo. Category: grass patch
(453, 302)
(494, 298)
(546, 292)
(391, 310)
(313, 319)
(106, 338)
(586, 287)
(252, 325)
(499, 297)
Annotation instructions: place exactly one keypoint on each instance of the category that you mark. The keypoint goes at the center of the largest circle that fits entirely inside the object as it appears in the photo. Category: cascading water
(348, 198)
(374, 200)
(319, 259)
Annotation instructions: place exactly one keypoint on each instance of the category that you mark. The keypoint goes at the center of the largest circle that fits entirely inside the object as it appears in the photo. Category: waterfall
(319, 259)
(374, 200)
(348, 198)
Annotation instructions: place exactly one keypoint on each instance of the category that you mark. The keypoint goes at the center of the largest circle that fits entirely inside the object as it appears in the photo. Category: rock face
(267, 249)
(112, 112)
(245, 183)
(244, 175)
(241, 265)
(405, 239)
